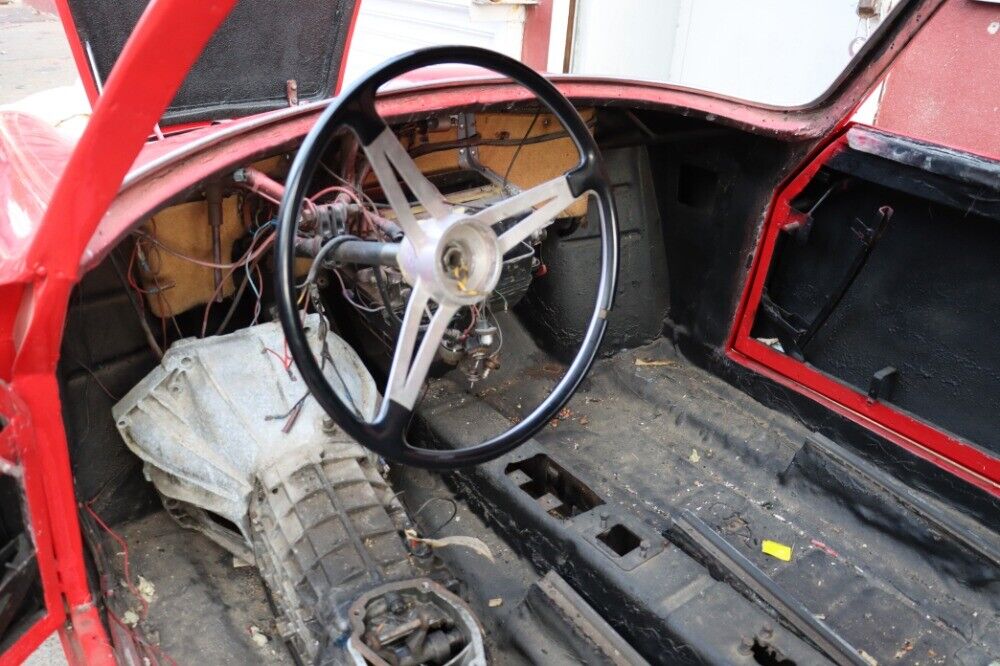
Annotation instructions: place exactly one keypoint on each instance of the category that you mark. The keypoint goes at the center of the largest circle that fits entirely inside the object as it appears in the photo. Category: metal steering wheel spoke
(545, 201)
(388, 158)
(451, 259)
(408, 371)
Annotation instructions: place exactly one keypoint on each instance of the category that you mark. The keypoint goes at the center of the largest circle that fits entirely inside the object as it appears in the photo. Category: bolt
(329, 426)
(767, 631)
(644, 548)
(604, 519)
(746, 646)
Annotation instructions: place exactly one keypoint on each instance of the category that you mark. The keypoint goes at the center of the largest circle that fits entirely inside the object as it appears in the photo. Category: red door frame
(945, 450)
(141, 85)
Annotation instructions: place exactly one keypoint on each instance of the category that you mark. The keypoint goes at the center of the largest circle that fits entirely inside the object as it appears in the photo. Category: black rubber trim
(355, 109)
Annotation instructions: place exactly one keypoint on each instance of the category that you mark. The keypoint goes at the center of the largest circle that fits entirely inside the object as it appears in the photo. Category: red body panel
(140, 87)
(929, 96)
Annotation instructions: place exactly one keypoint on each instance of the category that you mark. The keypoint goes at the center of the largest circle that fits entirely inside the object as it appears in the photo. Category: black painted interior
(926, 302)
(245, 67)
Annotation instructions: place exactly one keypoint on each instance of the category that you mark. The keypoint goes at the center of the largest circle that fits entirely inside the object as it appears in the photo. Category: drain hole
(620, 539)
(767, 655)
(559, 492)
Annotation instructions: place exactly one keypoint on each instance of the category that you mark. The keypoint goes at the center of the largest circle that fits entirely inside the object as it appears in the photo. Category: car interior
(683, 504)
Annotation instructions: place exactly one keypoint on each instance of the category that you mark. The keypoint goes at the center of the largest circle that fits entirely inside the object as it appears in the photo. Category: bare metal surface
(217, 410)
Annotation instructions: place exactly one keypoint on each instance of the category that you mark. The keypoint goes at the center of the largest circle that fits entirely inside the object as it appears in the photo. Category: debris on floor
(259, 638)
(496, 602)
(901, 652)
(819, 545)
(146, 590)
(654, 363)
(776, 550)
(130, 617)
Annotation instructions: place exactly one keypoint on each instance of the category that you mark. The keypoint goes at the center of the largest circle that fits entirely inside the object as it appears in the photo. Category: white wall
(389, 27)
(782, 52)
(625, 38)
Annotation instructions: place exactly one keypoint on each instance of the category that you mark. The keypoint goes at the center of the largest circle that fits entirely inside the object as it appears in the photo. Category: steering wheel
(431, 248)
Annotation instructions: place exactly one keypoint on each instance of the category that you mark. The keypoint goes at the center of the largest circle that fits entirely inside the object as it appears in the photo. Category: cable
(383, 291)
(127, 571)
(326, 249)
(478, 140)
(517, 152)
(252, 254)
(454, 513)
(232, 308)
(347, 296)
(180, 255)
(137, 306)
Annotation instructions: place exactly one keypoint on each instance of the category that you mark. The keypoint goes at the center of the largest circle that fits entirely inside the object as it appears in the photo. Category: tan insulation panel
(184, 228)
(535, 163)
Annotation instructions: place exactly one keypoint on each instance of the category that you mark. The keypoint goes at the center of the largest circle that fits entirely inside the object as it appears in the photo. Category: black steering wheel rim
(355, 109)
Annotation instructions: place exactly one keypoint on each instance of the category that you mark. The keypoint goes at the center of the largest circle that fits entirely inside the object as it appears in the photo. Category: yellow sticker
(778, 550)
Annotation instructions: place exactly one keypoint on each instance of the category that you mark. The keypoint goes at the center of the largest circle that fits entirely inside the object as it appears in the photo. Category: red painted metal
(959, 457)
(140, 87)
(537, 32)
(17, 447)
(928, 94)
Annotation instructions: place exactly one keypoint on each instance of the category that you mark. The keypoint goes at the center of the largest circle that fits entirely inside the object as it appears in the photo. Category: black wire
(383, 291)
(478, 140)
(519, 147)
(454, 513)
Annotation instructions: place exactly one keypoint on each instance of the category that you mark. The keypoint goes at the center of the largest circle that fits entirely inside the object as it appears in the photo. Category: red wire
(249, 256)
(126, 566)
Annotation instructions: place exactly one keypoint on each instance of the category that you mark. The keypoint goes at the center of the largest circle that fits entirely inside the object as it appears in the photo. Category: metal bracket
(468, 157)
(882, 384)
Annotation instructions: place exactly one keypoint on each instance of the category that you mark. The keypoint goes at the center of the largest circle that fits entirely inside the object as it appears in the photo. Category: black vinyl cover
(246, 66)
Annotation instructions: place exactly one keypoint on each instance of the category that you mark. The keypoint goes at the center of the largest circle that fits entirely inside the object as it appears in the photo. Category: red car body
(63, 206)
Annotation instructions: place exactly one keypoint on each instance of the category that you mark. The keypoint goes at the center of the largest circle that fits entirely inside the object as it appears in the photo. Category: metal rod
(139, 312)
(868, 242)
(369, 253)
(213, 196)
